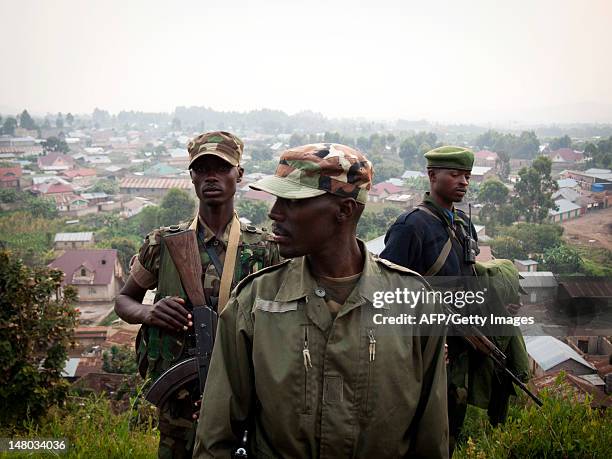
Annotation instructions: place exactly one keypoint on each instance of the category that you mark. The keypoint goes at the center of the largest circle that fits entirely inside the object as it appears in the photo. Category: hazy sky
(453, 60)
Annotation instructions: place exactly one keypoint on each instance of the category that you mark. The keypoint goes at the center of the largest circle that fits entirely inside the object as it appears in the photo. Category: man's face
(449, 184)
(301, 226)
(214, 179)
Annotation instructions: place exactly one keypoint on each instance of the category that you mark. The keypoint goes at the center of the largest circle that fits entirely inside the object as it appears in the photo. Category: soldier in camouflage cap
(316, 169)
(295, 358)
(166, 336)
(223, 144)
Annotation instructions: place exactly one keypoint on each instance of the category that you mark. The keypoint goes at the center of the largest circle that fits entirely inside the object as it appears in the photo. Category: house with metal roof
(548, 354)
(566, 210)
(541, 287)
(78, 240)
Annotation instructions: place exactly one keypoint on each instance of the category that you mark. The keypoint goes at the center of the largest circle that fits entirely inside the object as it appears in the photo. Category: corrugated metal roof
(536, 279)
(548, 352)
(587, 288)
(564, 206)
(74, 237)
(140, 182)
(70, 367)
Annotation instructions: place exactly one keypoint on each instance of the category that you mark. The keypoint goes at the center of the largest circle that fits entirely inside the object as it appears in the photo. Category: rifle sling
(448, 245)
(226, 273)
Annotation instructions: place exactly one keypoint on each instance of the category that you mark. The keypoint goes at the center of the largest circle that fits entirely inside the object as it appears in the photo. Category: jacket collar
(299, 282)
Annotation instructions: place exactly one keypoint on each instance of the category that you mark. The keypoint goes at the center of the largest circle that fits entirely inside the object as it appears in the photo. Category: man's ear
(240, 174)
(431, 173)
(347, 207)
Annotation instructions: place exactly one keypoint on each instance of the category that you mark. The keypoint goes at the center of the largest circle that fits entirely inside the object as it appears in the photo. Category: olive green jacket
(349, 403)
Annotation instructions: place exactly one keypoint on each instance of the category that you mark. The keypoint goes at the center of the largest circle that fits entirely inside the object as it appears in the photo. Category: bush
(566, 426)
(120, 359)
(36, 326)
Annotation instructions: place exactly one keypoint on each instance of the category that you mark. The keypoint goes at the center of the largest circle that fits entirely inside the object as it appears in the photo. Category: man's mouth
(280, 234)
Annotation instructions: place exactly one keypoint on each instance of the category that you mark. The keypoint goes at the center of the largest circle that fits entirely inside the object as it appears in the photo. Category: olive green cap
(450, 157)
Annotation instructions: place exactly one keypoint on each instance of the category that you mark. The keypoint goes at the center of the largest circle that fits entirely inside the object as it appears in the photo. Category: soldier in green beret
(298, 359)
(166, 335)
(434, 240)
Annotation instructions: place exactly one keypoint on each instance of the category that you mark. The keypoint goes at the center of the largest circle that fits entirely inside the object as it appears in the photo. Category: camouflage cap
(450, 157)
(218, 143)
(316, 169)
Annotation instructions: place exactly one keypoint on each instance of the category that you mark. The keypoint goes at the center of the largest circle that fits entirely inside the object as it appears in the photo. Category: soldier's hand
(197, 405)
(170, 314)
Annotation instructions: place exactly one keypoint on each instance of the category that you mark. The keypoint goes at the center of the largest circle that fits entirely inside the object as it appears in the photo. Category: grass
(93, 429)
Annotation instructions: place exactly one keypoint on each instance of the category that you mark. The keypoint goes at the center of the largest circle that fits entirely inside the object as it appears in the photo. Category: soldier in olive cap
(432, 239)
(297, 359)
(229, 251)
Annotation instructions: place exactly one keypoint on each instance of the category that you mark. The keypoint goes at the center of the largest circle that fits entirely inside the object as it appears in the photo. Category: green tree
(9, 126)
(70, 119)
(37, 326)
(386, 170)
(535, 238)
(176, 124)
(26, 121)
(534, 191)
(42, 207)
(508, 247)
(560, 142)
(374, 223)
(107, 186)
(176, 206)
(120, 359)
(256, 211)
(493, 194)
(503, 165)
(563, 259)
(55, 144)
(148, 219)
(59, 121)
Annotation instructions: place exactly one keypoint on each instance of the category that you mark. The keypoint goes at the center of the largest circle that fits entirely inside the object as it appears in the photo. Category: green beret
(450, 157)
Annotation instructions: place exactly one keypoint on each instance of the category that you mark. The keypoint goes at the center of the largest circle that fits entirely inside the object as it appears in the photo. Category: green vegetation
(525, 145)
(37, 326)
(120, 359)
(94, 430)
(599, 154)
(376, 220)
(534, 191)
(566, 426)
(256, 211)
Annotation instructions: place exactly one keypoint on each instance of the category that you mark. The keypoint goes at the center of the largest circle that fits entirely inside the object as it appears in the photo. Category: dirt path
(596, 225)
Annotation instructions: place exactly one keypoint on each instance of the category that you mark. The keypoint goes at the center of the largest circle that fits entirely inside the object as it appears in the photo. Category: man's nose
(276, 213)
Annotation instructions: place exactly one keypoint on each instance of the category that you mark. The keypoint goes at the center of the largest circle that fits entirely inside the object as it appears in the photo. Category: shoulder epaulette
(403, 270)
(252, 276)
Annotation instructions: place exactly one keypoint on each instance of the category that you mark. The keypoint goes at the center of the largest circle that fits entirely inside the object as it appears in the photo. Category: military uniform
(158, 349)
(301, 363)
(415, 241)
(343, 402)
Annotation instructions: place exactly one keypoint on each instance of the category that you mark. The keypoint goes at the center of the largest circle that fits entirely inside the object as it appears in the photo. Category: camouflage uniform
(158, 349)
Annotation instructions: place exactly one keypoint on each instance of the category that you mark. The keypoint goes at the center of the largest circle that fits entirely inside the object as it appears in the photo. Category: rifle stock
(183, 249)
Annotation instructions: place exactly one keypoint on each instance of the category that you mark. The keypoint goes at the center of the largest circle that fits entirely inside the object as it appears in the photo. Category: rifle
(485, 346)
(183, 249)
